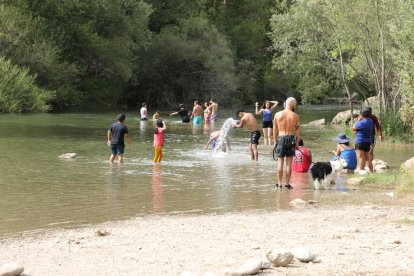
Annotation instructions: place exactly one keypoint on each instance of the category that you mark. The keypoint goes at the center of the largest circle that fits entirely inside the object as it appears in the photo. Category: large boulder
(407, 165)
(343, 117)
(372, 102)
(320, 122)
(380, 165)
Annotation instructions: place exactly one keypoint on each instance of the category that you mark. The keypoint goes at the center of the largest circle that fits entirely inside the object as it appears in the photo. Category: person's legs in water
(255, 153)
(157, 154)
(251, 151)
(266, 135)
(269, 136)
(113, 153)
(120, 158)
(280, 161)
(120, 152)
(288, 171)
(112, 158)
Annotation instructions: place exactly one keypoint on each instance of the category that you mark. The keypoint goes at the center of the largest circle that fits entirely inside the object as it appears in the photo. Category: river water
(41, 191)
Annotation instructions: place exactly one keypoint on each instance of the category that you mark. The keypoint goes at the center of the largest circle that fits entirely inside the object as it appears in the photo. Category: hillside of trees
(57, 54)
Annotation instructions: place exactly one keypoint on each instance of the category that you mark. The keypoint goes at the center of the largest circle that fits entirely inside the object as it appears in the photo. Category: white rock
(304, 254)
(230, 272)
(266, 264)
(188, 273)
(279, 257)
(297, 202)
(251, 267)
(320, 122)
(343, 117)
(69, 155)
(354, 181)
(11, 269)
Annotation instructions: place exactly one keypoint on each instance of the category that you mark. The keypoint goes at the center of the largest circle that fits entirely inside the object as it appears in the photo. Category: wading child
(159, 140)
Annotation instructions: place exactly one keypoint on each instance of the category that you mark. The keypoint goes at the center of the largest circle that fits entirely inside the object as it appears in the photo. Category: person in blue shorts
(197, 113)
(362, 129)
(116, 134)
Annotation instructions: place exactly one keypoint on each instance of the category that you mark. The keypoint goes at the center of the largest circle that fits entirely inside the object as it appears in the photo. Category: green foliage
(184, 63)
(18, 91)
(381, 180)
(394, 128)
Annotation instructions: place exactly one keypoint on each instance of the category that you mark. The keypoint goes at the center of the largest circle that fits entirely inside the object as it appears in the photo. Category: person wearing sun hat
(345, 151)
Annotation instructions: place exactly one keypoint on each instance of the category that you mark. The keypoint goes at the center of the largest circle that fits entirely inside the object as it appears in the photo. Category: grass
(382, 180)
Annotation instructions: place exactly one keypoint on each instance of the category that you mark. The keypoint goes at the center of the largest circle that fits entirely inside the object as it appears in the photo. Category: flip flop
(289, 186)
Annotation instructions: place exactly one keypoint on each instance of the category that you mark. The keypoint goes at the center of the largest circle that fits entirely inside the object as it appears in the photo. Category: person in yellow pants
(159, 140)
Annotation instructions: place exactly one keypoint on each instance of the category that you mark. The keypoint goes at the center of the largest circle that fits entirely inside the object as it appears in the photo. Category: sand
(365, 238)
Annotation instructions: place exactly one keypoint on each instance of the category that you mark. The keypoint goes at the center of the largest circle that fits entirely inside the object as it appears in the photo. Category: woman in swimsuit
(266, 111)
(207, 112)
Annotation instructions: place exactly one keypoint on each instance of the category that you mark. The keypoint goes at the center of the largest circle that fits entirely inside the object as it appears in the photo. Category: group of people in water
(284, 127)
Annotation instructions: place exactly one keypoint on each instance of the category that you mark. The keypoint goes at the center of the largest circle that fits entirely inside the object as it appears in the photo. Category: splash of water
(224, 131)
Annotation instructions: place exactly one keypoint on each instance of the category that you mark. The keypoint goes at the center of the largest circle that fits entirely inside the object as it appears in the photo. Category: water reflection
(156, 186)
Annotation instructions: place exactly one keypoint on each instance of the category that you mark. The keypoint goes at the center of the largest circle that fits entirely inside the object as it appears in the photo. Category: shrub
(18, 90)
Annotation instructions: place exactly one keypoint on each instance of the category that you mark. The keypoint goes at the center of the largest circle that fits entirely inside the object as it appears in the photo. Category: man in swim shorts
(253, 125)
(214, 110)
(286, 135)
(197, 114)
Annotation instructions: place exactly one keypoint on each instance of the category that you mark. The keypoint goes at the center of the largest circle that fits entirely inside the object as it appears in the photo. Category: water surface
(41, 191)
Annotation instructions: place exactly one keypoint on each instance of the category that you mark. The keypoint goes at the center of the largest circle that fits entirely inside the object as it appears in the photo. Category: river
(40, 191)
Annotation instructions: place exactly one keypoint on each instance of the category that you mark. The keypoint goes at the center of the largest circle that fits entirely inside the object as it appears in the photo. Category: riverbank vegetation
(124, 52)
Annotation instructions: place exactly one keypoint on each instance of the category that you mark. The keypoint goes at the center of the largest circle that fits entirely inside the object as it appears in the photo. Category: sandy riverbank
(358, 239)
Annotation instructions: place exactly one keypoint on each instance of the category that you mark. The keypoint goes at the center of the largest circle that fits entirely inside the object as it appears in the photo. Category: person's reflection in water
(302, 182)
(142, 127)
(157, 188)
(197, 129)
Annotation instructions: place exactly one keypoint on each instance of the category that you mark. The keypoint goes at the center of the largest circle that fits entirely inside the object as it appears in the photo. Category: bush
(394, 128)
(18, 91)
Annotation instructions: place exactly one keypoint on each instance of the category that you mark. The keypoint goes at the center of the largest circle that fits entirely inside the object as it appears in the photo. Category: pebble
(102, 233)
(279, 257)
(251, 267)
(69, 155)
(303, 254)
(11, 269)
(230, 272)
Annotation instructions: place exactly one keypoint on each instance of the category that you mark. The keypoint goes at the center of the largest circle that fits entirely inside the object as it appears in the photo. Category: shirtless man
(214, 110)
(197, 114)
(251, 122)
(286, 135)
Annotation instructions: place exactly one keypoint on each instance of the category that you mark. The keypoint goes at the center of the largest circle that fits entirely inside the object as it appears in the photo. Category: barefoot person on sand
(115, 135)
(251, 122)
(286, 134)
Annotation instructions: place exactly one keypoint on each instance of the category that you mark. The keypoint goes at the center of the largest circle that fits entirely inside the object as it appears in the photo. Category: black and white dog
(324, 173)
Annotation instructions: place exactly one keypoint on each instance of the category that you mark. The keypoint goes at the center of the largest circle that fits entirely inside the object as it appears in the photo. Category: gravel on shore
(348, 240)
